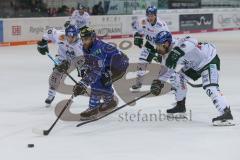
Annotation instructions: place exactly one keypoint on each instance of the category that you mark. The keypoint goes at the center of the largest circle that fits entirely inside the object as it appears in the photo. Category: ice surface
(24, 83)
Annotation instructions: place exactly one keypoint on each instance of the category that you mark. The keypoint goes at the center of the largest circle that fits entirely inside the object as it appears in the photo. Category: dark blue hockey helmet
(151, 10)
(162, 37)
(71, 31)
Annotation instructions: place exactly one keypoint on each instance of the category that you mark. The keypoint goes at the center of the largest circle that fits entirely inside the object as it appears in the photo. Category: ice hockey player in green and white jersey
(148, 27)
(79, 18)
(198, 60)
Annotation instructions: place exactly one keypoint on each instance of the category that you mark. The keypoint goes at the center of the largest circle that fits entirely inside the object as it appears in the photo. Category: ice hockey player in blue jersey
(105, 64)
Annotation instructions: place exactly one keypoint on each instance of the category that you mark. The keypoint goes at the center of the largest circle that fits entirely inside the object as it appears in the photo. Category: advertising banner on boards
(190, 22)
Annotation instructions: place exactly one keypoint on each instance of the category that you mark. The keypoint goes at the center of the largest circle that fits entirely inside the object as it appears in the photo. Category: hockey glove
(138, 40)
(81, 72)
(79, 89)
(42, 47)
(66, 24)
(157, 58)
(63, 67)
(156, 87)
(173, 57)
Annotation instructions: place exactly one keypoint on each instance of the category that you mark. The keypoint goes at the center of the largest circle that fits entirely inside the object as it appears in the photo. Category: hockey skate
(226, 119)
(107, 107)
(179, 111)
(89, 114)
(49, 100)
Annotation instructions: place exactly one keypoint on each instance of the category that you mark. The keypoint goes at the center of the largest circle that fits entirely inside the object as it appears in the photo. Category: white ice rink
(23, 89)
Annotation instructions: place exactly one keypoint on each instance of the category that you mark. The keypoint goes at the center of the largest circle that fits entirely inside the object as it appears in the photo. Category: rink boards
(22, 31)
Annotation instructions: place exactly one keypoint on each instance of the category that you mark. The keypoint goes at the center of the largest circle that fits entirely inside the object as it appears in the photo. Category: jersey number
(149, 38)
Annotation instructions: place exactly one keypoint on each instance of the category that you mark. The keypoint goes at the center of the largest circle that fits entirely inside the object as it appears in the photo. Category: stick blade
(39, 132)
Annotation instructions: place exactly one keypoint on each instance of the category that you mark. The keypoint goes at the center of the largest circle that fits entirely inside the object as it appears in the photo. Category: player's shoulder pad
(185, 44)
(108, 48)
(160, 23)
(192, 40)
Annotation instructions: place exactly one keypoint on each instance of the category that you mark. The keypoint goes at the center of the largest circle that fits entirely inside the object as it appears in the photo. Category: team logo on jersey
(149, 38)
(70, 54)
(97, 52)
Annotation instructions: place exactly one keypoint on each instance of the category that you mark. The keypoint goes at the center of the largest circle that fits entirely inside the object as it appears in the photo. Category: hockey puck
(30, 145)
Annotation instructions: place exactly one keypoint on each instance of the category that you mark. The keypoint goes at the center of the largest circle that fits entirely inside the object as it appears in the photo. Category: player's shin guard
(179, 84)
(141, 70)
(221, 105)
(138, 83)
(51, 96)
(218, 100)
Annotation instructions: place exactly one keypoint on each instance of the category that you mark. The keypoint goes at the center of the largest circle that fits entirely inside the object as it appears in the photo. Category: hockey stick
(78, 71)
(56, 63)
(46, 132)
(105, 115)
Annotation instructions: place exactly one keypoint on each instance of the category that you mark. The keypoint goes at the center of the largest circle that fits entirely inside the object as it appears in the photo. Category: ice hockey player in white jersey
(54, 35)
(147, 27)
(79, 18)
(198, 60)
(70, 55)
